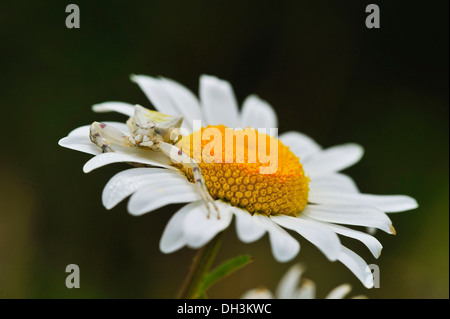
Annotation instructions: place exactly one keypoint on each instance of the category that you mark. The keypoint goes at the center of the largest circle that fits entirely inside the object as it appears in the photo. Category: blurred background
(318, 65)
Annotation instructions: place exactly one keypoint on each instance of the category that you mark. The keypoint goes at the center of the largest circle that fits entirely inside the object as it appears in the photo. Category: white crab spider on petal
(154, 131)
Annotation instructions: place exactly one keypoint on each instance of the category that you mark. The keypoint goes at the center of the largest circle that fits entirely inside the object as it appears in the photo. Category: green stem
(200, 266)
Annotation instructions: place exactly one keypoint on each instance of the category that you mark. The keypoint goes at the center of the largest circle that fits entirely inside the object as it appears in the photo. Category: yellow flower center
(233, 170)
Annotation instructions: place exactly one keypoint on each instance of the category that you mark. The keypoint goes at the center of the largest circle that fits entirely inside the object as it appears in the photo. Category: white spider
(158, 132)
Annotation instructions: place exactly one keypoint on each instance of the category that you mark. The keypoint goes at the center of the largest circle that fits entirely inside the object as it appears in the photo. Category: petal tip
(379, 253)
(414, 203)
(133, 77)
(392, 230)
(369, 285)
(87, 169)
(359, 149)
(61, 142)
(288, 257)
(99, 108)
(108, 206)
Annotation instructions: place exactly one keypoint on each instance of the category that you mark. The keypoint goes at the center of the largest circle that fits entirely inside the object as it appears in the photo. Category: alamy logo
(73, 19)
(230, 146)
(373, 275)
(73, 280)
(373, 19)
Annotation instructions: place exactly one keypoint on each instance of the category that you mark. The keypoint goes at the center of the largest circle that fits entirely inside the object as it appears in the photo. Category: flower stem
(201, 264)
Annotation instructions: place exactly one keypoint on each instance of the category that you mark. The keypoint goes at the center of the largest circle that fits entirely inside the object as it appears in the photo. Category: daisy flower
(307, 194)
(289, 288)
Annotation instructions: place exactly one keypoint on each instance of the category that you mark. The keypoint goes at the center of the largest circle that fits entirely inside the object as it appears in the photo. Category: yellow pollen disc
(232, 169)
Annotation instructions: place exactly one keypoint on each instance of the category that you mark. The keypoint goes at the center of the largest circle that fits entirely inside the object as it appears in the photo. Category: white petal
(360, 297)
(218, 102)
(170, 97)
(307, 290)
(246, 228)
(336, 183)
(386, 203)
(339, 292)
(350, 215)
(258, 293)
(85, 129)
(333, 159)
(288, 285)
(109, 158)
(357, 266)
(284, 246)
(80, 131)
(320, 235)
(199, 229)
(120, 107)
(79, 143)
(156, 93)
(173, 237)
(131, 180)
(371, 242)
(300, 144)
(78, 139)
(185, 101)
(166, 189)
(257, 113)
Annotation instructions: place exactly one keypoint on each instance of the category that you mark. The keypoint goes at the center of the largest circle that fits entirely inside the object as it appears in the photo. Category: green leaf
(224, 270)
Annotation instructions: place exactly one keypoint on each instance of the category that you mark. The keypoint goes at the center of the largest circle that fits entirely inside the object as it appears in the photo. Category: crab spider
(155, 131)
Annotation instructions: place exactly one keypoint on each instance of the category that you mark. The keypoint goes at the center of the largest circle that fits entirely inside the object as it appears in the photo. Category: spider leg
(200, 182)
(179, 156)
(108, 138)
(99, 137)
(105, 136)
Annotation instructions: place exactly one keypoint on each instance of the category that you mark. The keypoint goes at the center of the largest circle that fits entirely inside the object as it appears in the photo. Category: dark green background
(324, 72)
